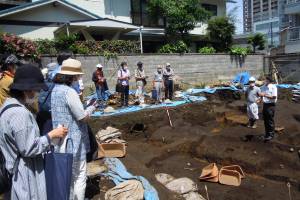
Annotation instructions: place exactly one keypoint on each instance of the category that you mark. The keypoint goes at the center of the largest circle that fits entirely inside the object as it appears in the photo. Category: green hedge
(86, 47)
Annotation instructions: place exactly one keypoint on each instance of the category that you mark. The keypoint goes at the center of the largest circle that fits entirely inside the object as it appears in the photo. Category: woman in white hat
(67, 110)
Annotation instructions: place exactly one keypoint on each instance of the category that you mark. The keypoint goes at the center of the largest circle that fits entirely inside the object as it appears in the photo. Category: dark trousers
(268, 114)
(169, 89)
(124, 95)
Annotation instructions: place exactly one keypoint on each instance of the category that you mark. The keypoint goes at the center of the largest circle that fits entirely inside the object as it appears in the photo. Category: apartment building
(291, 26)
(247, 10)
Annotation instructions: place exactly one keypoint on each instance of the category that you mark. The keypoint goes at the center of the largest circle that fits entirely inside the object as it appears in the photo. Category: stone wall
(192, 68)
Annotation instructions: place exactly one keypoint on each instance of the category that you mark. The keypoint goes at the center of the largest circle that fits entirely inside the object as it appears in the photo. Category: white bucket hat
(71, 67)
(99, 66)
(168, 64)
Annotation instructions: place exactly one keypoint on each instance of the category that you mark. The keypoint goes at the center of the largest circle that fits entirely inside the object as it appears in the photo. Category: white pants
(140, 91)
(252, 110)
(78, 183)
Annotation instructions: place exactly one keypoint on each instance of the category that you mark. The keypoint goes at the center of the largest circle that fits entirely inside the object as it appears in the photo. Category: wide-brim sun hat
(28, 77)
(71, 67)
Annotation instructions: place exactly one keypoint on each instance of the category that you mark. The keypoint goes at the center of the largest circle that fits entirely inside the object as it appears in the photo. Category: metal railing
(294, 34)
(292, 1)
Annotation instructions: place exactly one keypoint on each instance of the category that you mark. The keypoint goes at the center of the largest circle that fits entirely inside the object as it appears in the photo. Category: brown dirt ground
(202, 134)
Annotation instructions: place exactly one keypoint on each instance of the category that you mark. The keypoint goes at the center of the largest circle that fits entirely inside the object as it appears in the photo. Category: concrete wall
(192, 68)
(113, 9)
(287, 66)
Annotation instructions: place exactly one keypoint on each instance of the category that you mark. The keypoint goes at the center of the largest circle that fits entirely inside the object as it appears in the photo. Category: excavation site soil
(213, 131)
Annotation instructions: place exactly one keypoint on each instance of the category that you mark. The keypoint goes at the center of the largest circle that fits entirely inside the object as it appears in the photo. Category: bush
(241, 51)
(207, 50)
(178, 47)
(52, 47)
(12, 44)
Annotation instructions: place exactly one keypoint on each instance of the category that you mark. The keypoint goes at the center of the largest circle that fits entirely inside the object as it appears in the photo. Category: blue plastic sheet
(130, 109)
(118, 173)
(289, 86)
(242, 78)
(209, 90)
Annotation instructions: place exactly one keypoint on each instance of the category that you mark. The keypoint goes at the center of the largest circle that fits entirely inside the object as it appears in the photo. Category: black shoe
(269, 138)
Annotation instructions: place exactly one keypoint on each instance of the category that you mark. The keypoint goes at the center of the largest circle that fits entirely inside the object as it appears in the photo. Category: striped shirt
(19, 135)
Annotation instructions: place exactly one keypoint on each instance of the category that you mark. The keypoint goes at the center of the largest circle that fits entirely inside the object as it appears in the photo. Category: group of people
(267, 94)
(23, 142)
(162, 83)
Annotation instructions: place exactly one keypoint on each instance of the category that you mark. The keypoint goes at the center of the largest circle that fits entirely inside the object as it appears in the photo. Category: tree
(257, 40)
(181, 15)
(220, 32)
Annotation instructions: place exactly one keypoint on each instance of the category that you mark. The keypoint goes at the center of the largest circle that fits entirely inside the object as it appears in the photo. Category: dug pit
(212, 131)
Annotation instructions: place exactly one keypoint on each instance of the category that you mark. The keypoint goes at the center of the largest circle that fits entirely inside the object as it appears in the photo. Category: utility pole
(141, 39)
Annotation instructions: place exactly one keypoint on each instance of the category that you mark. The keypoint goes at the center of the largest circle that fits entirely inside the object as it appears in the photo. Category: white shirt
(270, 90)
(124, 74)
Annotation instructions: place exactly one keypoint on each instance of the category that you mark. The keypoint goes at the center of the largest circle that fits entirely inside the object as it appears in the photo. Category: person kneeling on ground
(100, 84)
(252, 96)
(158, 84)
(67, 110)
(269, 97)
(20, 140)
(123, 81)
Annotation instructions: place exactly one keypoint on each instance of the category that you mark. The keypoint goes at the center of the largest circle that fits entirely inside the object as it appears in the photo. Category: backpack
(5, 176)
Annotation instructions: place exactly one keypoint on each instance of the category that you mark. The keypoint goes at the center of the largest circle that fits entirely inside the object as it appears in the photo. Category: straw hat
(71, 67)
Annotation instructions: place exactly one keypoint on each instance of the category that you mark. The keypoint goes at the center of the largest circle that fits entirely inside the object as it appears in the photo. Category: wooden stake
(170, 121)
(289, 188)
(206, 192)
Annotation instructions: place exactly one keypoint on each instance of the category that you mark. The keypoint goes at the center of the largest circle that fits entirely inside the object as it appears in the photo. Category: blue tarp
(242, 78)
(209, 90)
(118, 173)
(289, 86)
(139, 108)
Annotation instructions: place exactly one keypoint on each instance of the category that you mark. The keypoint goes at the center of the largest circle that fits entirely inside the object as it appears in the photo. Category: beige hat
(71, 67)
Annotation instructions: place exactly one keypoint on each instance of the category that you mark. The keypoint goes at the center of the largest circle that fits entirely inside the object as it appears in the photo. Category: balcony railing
(294, 34)
(292, 1)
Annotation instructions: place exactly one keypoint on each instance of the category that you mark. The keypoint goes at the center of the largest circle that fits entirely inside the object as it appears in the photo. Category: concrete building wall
(113, 9)
(47, 13)
(192, 68)
(30, 32)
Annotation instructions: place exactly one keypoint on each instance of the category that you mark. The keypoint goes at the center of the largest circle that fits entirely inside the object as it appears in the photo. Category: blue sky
(238, 13)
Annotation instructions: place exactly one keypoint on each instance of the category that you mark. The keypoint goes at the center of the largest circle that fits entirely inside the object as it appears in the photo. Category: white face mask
(125, 68)
(252, 84)
(31, 100)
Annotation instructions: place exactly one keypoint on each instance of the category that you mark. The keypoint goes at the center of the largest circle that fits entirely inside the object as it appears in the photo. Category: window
(266, 26)
(140, 15)
(211, 8)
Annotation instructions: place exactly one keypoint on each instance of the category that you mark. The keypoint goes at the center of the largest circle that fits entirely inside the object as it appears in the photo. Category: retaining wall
(192, 68)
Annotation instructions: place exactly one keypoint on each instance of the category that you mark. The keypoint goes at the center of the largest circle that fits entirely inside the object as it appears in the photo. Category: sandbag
(193, 196)
(182, 185)
(164, 178)
(127, 190)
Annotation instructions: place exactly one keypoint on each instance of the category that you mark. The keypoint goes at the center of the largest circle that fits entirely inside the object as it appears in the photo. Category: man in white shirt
(269, 98)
